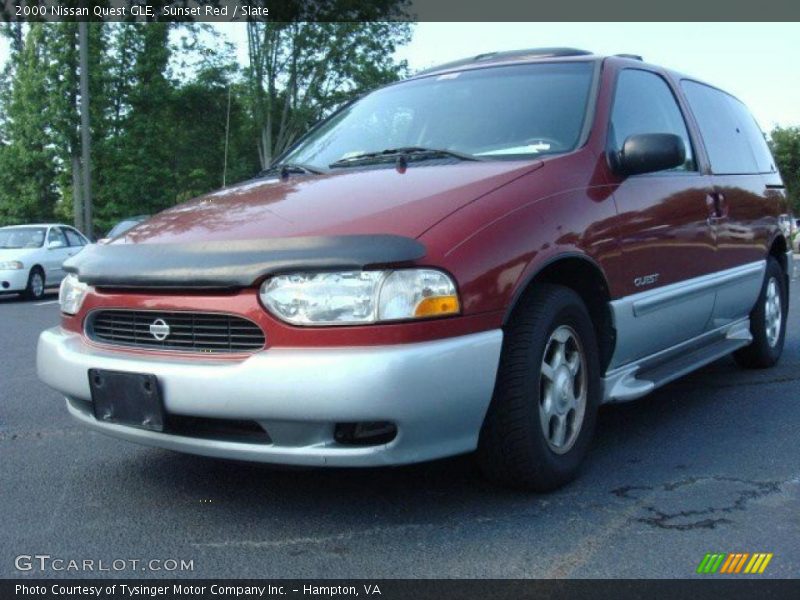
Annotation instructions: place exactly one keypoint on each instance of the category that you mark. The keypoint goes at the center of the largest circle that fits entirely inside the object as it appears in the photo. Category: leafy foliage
(27, 177)
(785, 145)
(159, 109)
(301, 71)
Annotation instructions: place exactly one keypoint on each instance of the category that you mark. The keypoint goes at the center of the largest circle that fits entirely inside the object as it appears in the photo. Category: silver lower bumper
(17, 280)
(435, 392)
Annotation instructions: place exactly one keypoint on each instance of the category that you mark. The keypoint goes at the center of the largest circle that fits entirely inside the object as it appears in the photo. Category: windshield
(501, 112)
(22, 237)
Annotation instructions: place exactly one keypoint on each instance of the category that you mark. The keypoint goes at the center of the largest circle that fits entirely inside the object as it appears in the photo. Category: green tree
(134, 170)
(163, 114)
(785, 145)
(14, 35)
(164, 139)
(300, 71)
(28, 169)
(199, 151)
(64, 102)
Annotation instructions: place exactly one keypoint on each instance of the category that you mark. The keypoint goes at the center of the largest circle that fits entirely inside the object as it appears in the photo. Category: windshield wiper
(286, 169)
(411, 152)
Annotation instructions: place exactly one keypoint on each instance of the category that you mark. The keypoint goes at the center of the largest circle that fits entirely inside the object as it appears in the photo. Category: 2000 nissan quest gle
(474, 259)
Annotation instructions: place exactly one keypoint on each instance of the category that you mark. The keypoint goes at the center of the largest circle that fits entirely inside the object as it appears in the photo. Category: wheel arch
(778, 249)
(584, 276)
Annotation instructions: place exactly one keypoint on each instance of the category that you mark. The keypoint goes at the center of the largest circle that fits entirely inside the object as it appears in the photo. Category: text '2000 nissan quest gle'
(474, 259)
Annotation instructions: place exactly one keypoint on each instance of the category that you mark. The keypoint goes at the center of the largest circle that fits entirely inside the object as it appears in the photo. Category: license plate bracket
(132, 399)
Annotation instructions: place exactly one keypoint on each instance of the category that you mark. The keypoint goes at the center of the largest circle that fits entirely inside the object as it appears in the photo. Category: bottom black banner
(391, 589)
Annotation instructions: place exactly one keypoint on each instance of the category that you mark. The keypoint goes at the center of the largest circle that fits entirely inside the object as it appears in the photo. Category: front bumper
(436, 393)
(14, 281)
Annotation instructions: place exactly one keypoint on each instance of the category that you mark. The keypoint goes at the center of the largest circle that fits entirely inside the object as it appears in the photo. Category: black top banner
(398, 10)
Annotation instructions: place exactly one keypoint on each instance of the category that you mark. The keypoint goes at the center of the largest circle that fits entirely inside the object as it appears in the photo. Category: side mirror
(648, 153)
(55, 244)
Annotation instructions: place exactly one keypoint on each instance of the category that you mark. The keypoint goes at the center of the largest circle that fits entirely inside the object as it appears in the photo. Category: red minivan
(471, 260)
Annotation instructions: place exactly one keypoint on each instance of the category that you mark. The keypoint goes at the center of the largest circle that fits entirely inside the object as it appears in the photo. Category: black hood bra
(234, 264)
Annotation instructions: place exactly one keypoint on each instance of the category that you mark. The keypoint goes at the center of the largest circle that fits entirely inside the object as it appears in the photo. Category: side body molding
(672, 330)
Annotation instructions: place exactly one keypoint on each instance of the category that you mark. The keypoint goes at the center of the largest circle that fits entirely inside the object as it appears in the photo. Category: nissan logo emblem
(159, 329)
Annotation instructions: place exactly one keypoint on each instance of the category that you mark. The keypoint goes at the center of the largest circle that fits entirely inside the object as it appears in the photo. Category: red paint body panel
(496, 242)
(345, 202)
(492, 225)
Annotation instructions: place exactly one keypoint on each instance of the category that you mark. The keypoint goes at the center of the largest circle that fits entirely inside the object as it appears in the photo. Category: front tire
(767, 321)
(542, 416)
(35, 287)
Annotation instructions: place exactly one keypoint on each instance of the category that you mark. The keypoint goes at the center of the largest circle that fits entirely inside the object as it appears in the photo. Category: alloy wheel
(773, 312)
(37, 284)
(562, 404)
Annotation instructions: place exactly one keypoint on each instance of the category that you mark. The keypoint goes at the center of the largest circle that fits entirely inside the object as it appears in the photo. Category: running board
(636, 380)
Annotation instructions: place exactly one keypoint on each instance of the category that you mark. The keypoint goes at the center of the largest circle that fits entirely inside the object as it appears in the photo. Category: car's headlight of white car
(11, 265)
(360, 297)
(71, 294)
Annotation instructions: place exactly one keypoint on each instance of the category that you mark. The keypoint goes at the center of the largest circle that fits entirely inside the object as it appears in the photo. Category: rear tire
(35, 287)
(767, 321)
(542, 416)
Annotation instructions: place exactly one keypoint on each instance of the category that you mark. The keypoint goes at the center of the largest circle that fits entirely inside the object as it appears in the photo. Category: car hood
(348, 202)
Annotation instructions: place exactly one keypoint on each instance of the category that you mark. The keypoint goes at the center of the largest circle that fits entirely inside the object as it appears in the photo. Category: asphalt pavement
(710, 463)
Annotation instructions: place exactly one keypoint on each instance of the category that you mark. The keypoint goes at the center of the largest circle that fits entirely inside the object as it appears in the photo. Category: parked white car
(32, 256)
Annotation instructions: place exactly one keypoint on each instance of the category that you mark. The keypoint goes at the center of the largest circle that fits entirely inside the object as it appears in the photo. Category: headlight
(71, 294)
(11, 265)
(358, 297)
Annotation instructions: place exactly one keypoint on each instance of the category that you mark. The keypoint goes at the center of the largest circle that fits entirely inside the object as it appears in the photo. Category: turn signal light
(437, 306)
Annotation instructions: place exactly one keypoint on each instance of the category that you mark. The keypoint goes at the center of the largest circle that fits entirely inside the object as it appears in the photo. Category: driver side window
(55, 235)
(643, 103)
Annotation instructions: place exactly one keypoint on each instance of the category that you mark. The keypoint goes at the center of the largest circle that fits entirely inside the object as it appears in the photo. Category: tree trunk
(77, 202)
(86, 135)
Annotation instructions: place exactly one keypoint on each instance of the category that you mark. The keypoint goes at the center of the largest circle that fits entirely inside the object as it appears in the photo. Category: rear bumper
(436, 393)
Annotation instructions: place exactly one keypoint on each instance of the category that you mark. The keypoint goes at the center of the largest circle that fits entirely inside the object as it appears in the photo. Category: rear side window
(734, 141)
(644, 103)
(74, 238)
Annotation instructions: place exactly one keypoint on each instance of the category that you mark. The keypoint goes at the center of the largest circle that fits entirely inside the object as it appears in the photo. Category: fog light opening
(365, 433)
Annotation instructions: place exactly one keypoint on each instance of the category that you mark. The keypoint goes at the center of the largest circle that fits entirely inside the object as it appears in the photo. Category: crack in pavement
(645, 498)
(701, 518)
(591, 545)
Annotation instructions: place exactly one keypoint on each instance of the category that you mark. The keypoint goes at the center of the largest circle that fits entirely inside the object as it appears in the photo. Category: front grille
(187, 331)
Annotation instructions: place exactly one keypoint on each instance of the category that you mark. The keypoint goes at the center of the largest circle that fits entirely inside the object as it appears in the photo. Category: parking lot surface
(710, 463)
